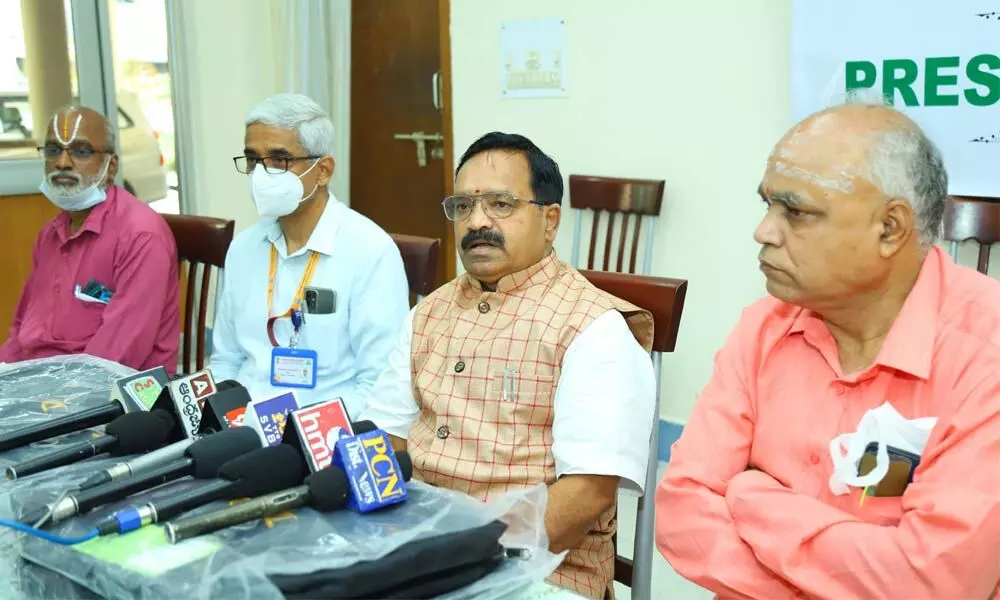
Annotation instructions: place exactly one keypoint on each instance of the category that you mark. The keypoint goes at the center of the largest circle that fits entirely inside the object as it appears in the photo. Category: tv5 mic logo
(189, 395)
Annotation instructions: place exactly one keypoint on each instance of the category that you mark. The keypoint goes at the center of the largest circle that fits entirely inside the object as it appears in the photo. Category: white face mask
(76, 197)
(277, 195)
(882, 425)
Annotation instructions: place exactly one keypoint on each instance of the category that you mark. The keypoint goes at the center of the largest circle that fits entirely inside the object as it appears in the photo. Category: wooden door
(399, 52)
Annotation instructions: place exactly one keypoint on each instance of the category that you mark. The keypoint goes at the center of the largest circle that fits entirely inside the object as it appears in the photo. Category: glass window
(146, 114)
(37, 72)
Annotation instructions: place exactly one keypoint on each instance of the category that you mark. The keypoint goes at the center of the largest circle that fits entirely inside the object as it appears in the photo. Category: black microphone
(230, 394)
(325, 490)
(261, 471)
(128, 434)
(139, 388)
(202, 460)
(91, 417)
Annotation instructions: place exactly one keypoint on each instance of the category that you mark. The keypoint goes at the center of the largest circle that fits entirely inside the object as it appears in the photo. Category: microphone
(315, 429)
(128, 434)
(143, 388)
(261, 471)
(186, 396)
(91, 417)
(268, 417)
(201, 460)
(138, 388)
(325, 490)
(232, 390)
(373, 472)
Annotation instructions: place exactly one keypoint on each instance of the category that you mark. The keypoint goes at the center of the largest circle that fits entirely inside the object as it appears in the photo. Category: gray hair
(298, 113)
(906, 164)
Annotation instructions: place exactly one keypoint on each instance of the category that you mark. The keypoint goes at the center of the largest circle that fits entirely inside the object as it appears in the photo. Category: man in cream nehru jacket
(314, 294)
(520, 371)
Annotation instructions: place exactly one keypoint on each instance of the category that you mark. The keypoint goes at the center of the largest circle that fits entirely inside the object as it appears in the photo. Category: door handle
(421, 139)
(436, 90)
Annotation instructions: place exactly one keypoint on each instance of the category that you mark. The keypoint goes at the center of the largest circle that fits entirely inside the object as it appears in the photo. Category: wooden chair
(664, 298)
(971, 218)
(204, 241)
(627, 197)
(420, 256)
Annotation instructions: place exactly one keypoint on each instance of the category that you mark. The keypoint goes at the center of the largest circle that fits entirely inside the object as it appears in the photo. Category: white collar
(321, 239)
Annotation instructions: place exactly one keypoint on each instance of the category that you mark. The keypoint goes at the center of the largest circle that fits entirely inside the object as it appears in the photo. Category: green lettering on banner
(860, 74)
(893, 80)
(981, 76)
(934, 79)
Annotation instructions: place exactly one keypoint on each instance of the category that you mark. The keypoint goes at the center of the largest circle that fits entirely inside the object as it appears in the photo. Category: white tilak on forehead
(62, 135)
(841, 185)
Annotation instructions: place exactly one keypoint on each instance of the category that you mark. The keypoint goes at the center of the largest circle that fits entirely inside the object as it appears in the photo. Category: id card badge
(293, 367)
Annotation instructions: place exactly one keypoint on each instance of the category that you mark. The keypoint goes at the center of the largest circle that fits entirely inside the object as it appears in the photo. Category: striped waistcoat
(484, 369)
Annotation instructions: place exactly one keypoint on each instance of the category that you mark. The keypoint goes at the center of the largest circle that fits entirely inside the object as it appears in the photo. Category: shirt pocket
(877, 510)
(80, 322)
(524, 403)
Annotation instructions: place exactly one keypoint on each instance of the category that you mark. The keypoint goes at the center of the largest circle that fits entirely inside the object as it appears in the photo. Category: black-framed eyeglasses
(496, 205)
(275, 165)
(76, 153)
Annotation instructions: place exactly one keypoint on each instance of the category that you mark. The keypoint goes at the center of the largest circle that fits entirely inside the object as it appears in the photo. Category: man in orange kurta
(864, 310)
(520, 371)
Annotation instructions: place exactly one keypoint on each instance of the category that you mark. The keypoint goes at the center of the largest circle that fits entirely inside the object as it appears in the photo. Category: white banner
(937, 60)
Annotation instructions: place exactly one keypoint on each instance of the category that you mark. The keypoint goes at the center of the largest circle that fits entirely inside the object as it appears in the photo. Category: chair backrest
(972, 218)
(200, 241)
(420, 256)
(614, 196)
(664, 298)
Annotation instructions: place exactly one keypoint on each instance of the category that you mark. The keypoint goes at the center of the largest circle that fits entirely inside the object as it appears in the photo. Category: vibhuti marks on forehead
(67, 130)
(840, 183)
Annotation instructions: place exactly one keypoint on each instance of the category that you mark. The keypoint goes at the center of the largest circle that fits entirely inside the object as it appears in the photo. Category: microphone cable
(45, 535)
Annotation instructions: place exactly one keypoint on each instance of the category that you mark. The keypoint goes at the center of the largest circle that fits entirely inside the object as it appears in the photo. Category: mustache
(482, 235)
(68, 174)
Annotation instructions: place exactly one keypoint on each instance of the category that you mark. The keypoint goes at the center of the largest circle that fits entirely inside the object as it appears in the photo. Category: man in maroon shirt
(104, 271)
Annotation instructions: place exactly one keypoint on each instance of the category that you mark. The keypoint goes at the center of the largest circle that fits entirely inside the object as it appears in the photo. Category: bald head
(72, 122)
(79, 150)
(854, 192)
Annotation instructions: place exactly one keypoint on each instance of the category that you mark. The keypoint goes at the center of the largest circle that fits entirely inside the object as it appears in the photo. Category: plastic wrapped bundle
(35, 391)
(242, 562)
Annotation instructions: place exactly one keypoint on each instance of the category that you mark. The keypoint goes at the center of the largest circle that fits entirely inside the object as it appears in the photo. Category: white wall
(231, 68)
(695, 93)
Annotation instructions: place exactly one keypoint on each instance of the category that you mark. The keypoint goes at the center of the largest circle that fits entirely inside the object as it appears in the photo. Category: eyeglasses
(496, 205)
(76, 153)
(275, 165)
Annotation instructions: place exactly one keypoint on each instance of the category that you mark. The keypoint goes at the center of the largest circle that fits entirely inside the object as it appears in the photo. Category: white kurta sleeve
(604, 404)
(391, 405)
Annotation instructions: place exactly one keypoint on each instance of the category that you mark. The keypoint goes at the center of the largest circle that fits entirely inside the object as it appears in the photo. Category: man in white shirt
(520, 371)
(314, 294)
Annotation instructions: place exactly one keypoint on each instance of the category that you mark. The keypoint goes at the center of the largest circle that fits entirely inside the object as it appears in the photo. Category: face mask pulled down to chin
(278, 195)
(79, 196)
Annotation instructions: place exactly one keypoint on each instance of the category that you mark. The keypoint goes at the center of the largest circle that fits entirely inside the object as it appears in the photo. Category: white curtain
(313, 39)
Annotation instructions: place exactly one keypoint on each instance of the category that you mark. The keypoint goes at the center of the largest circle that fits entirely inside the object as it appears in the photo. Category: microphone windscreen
(227, 384)
(138, 432)
(263, 471)
(360, 427)
(165, 416)
(405, 464)
(328, 489)
(213, 451)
